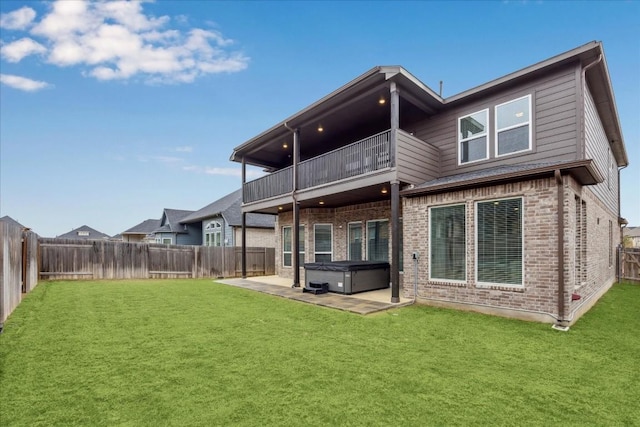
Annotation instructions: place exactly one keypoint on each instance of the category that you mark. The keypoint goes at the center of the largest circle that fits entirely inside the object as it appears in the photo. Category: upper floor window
(473, 137)
(513, 126)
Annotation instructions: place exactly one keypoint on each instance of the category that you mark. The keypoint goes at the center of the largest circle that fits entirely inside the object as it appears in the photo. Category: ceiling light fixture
(384, 190)
(280, 208)
(321, 202)
(285, 145)
(320, 128)
(382, 101)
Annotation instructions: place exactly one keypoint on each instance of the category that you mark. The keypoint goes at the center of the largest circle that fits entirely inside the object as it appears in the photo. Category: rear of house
(502, 199)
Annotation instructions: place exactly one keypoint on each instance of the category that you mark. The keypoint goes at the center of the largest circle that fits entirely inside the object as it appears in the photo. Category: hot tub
(349, 277)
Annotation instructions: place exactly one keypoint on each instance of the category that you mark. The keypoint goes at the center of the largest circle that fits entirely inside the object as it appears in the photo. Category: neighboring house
(221, 223)
(172, 232)
(504, 198)
(84, 233)
(143, 232)
(10, 220)
(632, 235)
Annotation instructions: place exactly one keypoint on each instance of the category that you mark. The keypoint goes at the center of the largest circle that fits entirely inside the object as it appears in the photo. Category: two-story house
(502, 199)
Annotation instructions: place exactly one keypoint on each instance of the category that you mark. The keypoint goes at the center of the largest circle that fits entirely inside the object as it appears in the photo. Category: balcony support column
(395, 121)
(295, 230)
(395, 242)
(244, 225)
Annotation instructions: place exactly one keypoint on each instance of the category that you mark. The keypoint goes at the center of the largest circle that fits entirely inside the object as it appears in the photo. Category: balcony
(365, 156)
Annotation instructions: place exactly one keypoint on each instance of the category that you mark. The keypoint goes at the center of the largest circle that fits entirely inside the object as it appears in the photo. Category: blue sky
(111, 112)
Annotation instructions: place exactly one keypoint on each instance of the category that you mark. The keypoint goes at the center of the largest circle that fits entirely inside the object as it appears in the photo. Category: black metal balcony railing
(367, 155)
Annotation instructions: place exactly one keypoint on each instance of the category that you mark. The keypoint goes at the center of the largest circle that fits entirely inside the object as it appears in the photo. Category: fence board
(11, 265)
(76, 259)
(630, 263)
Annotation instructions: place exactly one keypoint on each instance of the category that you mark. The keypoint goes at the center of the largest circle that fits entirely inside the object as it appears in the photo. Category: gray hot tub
(349, 277)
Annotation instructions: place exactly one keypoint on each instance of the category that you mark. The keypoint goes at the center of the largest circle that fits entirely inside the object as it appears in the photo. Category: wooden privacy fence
(630, 264)
(103, 259)
(18, 266)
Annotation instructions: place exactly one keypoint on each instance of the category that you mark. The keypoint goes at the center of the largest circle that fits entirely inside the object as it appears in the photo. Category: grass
(193, 352)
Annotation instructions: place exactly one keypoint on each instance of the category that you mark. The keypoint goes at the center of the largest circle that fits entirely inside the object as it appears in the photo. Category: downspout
(562, 323)
(621, 237)
(295, 229)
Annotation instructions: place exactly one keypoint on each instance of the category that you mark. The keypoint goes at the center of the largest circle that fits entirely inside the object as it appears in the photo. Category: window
(83, 233)
(323, 242)
(287, 247)
(513, 130)
(472, 137)
(378, 240)
(213, 234)
(166, 240)
(499, 242)
(447, 243)
(354, 245)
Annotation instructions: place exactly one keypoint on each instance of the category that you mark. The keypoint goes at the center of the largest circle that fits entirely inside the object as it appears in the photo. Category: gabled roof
(230, 208)
(10, 220)
(145, 227)
(170, 221)
(631, 231)
(583, 170)
(84, 233)
(356, 100)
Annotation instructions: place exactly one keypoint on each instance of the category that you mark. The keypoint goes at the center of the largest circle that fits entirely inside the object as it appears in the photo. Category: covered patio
(360, 303)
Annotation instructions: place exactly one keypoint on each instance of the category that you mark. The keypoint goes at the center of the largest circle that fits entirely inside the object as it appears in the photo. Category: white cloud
(184, 149)
(22, 83)
(18, 19)
(208, 170)
(118, 40)
(168, 159)
(15, 51)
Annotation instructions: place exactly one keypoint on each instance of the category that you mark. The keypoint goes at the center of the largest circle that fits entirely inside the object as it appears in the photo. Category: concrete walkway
(362, 303)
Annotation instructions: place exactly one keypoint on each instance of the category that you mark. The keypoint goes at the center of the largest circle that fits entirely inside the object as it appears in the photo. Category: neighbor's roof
(170, 222)
(230, 208)
(80, 233)
(583, 170)
(145, 227)
(631, 231)
(10, 220)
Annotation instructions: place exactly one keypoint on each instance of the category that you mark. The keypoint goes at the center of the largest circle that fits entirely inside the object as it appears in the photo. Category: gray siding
(192, 237)
(417, 161)
(227, 230)
(554, 124)
(597, 148)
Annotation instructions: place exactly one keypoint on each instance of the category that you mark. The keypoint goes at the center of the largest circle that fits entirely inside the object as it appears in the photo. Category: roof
(84, 233)
(631, 231)
(346, 105)
(145, 227)
(10, 220)
(170, 221)
(583, 170)
(230, 208)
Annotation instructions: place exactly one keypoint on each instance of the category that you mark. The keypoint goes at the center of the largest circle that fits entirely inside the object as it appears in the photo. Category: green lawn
(193, 352)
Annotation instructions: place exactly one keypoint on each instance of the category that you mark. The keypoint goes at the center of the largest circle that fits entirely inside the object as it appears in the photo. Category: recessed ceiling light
(382, 101)
(280, 208)
(384, 190)
(285, 145)
(321, 202)
(320, 128)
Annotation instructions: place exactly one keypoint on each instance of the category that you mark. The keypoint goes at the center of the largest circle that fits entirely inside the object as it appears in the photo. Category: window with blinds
(447, 243)
(378, 240)
(323, 242)
(287, 247)
(354, 246)
(499, 242)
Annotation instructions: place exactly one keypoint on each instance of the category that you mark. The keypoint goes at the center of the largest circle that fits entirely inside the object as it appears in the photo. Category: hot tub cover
(346, 265)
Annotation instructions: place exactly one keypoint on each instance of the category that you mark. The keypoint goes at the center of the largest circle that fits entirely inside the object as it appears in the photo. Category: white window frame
(522, 228)
(214, 232)
(301, 252)
(497, 131)
(439, 279)
(362, 234)
(315, 251)
(366, 236)
(461, 140)
(167, 241)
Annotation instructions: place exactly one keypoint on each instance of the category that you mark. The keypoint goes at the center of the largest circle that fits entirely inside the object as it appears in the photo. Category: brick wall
(256, 237)
(539, 292)
(339, 218)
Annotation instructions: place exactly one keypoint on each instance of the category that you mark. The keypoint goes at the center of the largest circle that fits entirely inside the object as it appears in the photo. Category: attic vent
(83, 233)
